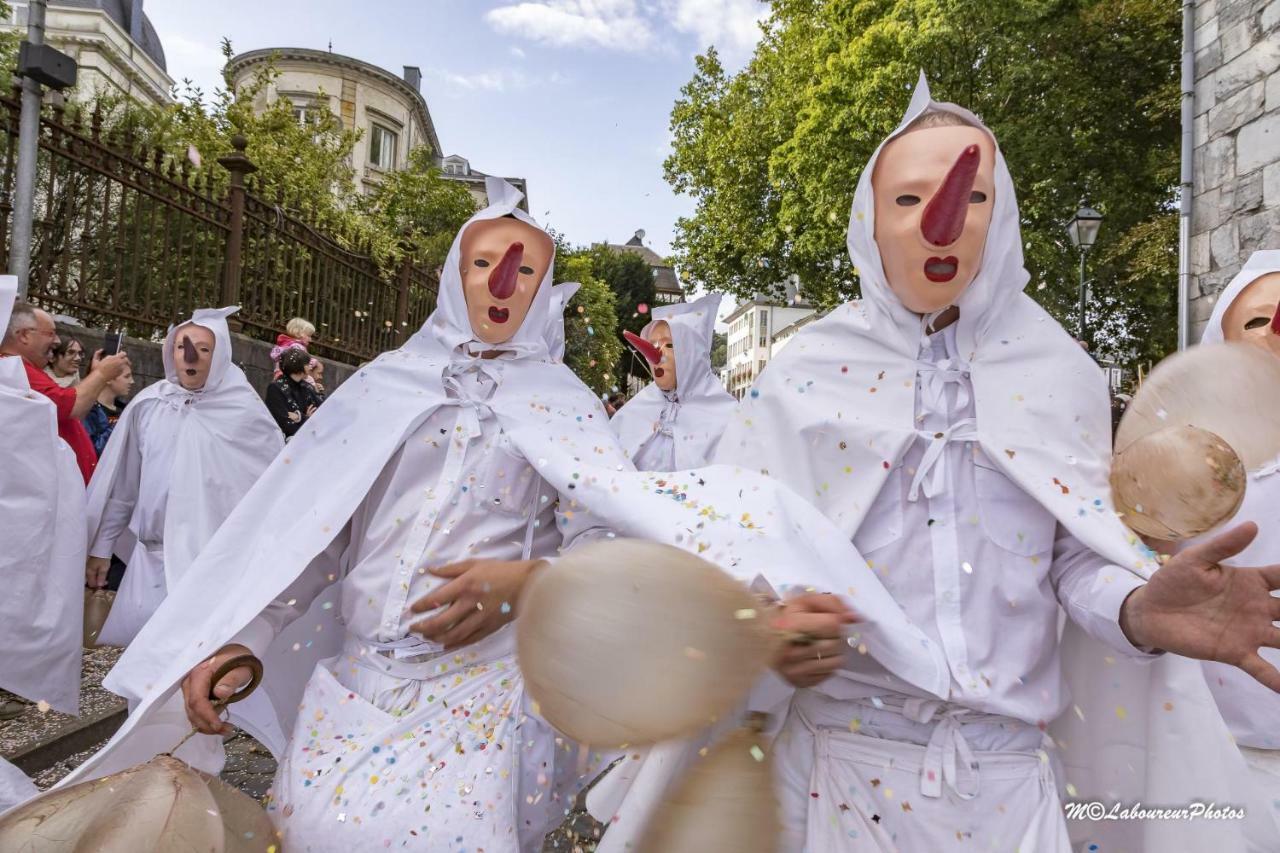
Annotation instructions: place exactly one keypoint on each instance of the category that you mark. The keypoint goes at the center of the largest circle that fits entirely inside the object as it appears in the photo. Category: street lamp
(1083, 230)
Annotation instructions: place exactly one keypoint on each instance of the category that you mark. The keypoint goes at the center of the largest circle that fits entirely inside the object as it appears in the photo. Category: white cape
(42, 550)
(223, 439)
(702, 405)
(742, 521)
(835, 411)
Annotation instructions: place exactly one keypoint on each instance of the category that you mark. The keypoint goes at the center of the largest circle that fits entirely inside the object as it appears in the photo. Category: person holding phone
(32, 336)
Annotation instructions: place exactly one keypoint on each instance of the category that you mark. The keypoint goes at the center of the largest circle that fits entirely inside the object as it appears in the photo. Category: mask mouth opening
(499, 315)
(941, 270)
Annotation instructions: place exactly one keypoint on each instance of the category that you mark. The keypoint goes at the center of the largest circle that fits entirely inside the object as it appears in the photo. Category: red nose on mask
(502, 281)
(651, 353)
(189, 354)
(1275, 322)
(943, 220)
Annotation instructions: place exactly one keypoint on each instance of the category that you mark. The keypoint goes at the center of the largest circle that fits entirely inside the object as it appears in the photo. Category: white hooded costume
(560, 296)
(970, 467)
(431, 438)
(41, 551)
(1251, 711)
(177, 463)
(675, 430)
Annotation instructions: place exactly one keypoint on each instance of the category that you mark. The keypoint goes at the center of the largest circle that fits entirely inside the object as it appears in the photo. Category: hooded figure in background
(41, 551)
(960, 437)
(560, 296)
(1246, 312)
(181, 457)
(675, 422)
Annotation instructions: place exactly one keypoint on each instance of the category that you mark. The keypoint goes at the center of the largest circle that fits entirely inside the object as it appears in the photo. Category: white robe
(42, 551)
(674, 430)
(835, 415)
(1251, 711)
(177, 463)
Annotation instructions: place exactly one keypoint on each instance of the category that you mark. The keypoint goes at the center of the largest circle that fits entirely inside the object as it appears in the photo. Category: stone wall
(1236, 201)
(253, 356)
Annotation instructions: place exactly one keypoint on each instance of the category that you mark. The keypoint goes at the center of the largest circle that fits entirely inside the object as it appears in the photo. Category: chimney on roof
(638, 239)
(413, 76)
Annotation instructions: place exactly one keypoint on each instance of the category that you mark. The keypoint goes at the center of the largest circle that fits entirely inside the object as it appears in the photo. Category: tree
(592, 344)
(417, 203)
(631, 281)
(771, 155)
(719, 350)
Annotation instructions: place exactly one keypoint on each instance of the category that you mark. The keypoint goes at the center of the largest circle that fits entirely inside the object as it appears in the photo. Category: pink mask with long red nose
(943, 219)
(646, 349)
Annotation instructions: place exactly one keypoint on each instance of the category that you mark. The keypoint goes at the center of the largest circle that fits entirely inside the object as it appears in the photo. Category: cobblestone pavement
(249, 767)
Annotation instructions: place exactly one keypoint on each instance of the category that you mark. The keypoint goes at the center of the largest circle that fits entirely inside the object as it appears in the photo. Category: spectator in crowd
(291, 399)
(64, 367)
(297, 334)
(32, 336)
(102, 417)
(615, 402)
(315, 375)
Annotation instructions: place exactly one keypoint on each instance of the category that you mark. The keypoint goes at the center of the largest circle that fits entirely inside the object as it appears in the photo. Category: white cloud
(518, 53)
(494, 80)
(733, 26)
(610, 24)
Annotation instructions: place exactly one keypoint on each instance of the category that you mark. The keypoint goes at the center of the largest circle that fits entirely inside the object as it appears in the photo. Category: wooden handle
(255, 669)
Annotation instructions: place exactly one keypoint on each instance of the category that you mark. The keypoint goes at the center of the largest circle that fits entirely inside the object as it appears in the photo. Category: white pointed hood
(561, 294)
(223, 439)
(835, 412)
(42, 551)
(696, 412)
(1258, 265)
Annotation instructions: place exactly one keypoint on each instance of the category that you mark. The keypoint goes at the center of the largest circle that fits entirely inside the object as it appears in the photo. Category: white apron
(846, 790)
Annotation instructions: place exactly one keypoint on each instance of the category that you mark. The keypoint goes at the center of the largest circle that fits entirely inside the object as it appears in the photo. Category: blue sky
(574, 95)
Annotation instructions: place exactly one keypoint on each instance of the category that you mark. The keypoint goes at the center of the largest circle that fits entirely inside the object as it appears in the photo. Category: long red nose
(649, 351)
(1275, 321)
(189, 354)
(943, 220)
(502, 281)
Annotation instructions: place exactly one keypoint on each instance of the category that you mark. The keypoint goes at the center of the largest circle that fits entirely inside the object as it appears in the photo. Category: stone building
(665, 283)
(389, 110)
(113, 43)
(1236, 200)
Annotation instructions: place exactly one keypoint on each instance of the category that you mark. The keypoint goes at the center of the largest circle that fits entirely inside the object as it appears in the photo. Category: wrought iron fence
(132, 238)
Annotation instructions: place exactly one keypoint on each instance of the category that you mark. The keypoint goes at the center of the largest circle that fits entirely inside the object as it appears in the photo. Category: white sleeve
(121, 500)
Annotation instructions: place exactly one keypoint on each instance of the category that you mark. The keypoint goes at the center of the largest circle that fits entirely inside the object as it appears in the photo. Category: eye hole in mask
(481, 262)
(1256, 323)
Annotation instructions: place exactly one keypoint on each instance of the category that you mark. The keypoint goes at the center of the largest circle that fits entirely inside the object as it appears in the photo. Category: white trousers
(913, 776)
(431, 754)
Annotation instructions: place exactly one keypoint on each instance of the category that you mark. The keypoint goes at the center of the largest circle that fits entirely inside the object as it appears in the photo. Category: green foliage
(592, 342)
(420, 204)
(631, 281)
(719, 350)
(1082, 94)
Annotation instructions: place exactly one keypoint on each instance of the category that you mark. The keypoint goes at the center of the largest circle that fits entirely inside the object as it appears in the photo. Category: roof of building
(664, 277)
(121, 11)
(350, 63)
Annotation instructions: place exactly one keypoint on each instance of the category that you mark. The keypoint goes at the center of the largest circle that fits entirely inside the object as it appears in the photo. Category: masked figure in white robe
(41, 552)
(1246, 312)
(675, 421)
(962, 440)
(182, 455)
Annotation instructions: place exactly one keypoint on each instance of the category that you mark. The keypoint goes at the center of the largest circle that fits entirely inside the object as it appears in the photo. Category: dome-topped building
(113, 43)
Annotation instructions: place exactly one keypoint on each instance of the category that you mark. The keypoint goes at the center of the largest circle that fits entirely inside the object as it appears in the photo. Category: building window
(382, 147)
